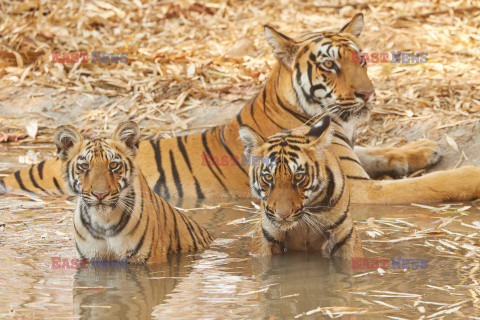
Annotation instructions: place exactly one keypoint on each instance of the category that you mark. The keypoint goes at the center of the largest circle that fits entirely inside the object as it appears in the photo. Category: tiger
(304, 193)
(314, 75)
(117, 215)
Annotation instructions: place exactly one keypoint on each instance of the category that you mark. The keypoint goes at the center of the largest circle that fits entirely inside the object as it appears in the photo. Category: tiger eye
(328, 64)
(114, 165)
(267, 177)
(84, 166)
(299, 176)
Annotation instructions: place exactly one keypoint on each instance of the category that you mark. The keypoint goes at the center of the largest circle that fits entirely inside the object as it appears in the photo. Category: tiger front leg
(267, 241)
(344, 245)
(398, 162)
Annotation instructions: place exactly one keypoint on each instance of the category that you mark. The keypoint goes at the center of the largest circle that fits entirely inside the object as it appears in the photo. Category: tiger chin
(304, 193)
(117, 215)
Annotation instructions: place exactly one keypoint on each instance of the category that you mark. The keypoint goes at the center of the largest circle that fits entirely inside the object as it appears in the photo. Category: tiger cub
(305, 197)
(117, 215)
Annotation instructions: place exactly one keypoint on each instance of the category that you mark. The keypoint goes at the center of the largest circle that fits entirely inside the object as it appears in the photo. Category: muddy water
(225, 282)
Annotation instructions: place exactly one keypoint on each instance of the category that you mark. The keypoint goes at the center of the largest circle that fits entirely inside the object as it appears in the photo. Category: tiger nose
(284, 214)
(100, 195)
(366, 94)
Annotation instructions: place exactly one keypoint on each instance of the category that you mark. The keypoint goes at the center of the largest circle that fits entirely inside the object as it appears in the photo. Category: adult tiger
(305, 194)
(315, 75)
(117, 215)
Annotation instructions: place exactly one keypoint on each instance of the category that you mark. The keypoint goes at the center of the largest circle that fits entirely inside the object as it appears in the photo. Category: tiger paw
(421, 154)
(413, 156)
(399, 161)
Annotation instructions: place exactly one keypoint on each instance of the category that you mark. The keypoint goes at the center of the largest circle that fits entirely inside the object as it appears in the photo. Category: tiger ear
(251, 139)
(355, 26)
(128, 132)
(320, 134)
(65, 138)
(284, 48)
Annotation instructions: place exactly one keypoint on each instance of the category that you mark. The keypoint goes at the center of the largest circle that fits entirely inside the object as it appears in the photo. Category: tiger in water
(305, 194)
(117, 215)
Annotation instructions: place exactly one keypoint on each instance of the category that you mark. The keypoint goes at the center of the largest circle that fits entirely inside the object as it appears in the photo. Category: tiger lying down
(305, 194)
(117, 215)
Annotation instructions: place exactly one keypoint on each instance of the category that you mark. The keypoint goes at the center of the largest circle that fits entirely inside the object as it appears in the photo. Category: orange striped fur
(118, 216)
(305, 194)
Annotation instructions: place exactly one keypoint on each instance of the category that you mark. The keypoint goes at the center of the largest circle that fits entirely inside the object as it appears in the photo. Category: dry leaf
(32, 128)
(451, 142)
(191, 70)
(28, 5)
(243, 47)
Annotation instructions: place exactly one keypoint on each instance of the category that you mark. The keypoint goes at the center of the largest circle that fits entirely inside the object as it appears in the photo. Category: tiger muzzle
(285, 214)
(100, 195)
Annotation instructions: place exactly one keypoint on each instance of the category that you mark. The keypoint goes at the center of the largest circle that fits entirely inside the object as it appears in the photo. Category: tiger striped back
(314, 76)
(304, 192)
(117, 215)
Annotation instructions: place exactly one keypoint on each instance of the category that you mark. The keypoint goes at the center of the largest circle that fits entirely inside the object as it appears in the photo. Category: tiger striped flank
(314, 76)
(118, 216)
(274, 109)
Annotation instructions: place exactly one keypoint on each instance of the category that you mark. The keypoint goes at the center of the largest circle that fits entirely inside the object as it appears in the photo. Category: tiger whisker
(314, 225)
(318, 207)
(322, 217)
(126, 203)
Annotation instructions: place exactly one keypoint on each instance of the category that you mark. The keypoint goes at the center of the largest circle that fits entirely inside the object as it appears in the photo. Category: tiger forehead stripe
(289, 140)
(282, 152)
(332, 49)
(99, 148)
(328, 51)
(317, 36)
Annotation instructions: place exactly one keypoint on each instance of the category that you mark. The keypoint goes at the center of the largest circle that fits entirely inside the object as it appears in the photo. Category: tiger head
(99, 170)
(295, 172)
(324, 76)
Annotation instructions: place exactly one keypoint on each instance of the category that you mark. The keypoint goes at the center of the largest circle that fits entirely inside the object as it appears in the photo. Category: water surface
(225, 282)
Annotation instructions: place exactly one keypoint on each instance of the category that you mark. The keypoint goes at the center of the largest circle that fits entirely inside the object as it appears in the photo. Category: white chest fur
(350, 130)
(97, 231)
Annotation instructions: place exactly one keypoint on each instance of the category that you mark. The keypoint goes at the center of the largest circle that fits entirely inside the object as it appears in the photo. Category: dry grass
(186, 54)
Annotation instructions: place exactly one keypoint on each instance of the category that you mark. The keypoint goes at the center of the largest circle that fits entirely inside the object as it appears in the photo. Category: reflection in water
(299, 282)
(216, 288)
(130, 293)
(225, 282)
